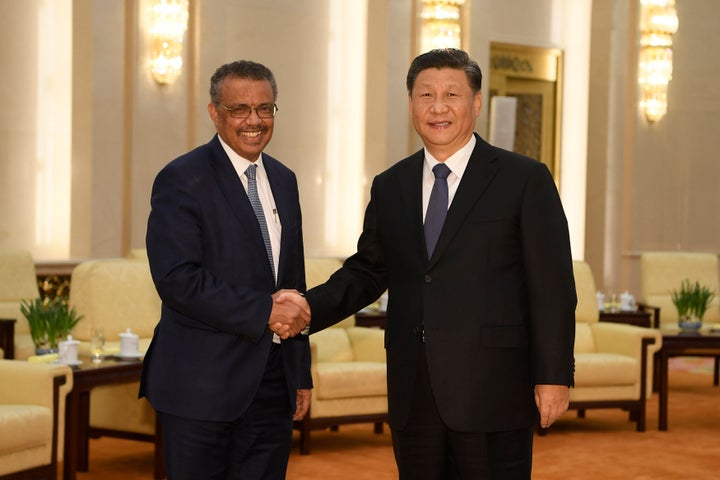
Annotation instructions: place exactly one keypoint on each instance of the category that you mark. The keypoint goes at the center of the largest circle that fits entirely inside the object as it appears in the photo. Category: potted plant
(50, 321)
(691, 301)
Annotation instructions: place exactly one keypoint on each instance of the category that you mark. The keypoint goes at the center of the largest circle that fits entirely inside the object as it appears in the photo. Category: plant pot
(45, 350)
(690, 324)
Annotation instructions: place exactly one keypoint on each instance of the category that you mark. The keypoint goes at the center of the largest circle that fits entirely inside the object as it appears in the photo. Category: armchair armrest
(655, 313)
(33, 383)
(624, 339)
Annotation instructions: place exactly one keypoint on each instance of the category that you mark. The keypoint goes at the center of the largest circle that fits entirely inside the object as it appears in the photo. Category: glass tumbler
(97, 345)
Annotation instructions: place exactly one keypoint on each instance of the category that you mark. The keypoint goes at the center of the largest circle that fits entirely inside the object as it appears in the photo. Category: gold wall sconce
(441, 24)
(168, 21)
(658, 23)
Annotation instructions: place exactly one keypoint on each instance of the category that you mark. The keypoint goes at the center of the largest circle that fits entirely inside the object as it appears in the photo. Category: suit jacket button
(428, 279)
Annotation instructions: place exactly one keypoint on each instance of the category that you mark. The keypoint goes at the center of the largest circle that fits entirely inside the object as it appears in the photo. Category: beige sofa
(18, 282)
(348, 369)
(116, 294)
(32, 415)
(613, 362)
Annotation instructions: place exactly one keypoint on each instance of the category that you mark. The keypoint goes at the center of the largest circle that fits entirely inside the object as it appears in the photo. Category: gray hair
(240, 69)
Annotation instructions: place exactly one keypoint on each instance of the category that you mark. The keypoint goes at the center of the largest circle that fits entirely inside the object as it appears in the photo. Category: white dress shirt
(457, 162)
(266, 197)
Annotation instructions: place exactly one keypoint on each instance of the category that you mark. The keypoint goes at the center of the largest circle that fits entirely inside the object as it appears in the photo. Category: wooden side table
(639, 318)
(87, 376)
(7, 337)
(370, 318)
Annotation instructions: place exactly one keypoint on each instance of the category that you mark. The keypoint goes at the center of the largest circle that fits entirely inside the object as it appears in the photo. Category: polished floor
(602, 446)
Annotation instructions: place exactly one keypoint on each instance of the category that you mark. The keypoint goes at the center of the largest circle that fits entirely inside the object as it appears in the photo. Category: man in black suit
(480, 319)
(224, 234)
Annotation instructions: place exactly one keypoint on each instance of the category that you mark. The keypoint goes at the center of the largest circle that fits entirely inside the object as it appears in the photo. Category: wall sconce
(658, 23)
(168, 21)
(440, 24)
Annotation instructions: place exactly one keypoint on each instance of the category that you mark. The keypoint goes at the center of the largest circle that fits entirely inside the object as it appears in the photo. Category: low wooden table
(87, 376)
(677, 344)
(370, 318)
(639, 318)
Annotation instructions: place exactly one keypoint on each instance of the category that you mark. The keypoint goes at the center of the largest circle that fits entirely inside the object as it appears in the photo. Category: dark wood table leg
(70, 453)
(663, 389)
(83, 440)
(7, 337)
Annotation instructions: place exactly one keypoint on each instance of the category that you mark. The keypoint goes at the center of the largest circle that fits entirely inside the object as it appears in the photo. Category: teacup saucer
(131, 356)
(71, 364)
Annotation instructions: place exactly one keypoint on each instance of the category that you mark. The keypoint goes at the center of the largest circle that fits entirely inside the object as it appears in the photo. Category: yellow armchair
(348, 369)
(613, 362)
(32, 415)
(116, 294)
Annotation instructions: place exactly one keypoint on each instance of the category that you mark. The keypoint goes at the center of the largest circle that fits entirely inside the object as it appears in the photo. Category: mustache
(261, 129)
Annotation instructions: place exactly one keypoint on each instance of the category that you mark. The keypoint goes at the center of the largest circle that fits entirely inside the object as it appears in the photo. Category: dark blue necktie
(257, 206)
(437, 207)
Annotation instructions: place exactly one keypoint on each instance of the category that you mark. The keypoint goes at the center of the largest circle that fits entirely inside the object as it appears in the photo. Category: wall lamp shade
(168, 21)
(658, 23)
(441, 25)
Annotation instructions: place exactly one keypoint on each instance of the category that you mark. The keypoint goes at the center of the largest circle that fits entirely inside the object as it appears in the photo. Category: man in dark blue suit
(226, 371)
(472, 243)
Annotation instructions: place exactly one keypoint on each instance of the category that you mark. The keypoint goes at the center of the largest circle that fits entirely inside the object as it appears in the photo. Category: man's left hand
(303, 403)
(552, 401)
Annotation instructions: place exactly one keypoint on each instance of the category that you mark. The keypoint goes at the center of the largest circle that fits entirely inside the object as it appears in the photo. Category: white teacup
(627, 302)
(68, 351)
(129, 344)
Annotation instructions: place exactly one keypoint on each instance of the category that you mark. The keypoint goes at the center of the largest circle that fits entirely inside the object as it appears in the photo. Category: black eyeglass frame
(234, 112)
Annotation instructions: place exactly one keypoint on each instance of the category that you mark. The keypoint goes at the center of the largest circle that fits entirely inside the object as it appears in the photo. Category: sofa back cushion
(333, 345)
(317, 271)
(586, 310)
(18, 281)
(584, 342)
(114, 294)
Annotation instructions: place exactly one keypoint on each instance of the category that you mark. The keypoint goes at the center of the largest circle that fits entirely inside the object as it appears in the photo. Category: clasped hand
(290, 313)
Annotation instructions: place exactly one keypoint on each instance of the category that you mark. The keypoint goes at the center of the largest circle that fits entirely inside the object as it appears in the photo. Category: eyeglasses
(265, 110)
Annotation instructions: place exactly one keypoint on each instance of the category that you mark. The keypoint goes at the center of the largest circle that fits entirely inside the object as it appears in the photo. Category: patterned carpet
(692, 365)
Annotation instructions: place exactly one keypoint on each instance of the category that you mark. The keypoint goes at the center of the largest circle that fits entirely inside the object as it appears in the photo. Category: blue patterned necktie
(257, 206)
(437, 207)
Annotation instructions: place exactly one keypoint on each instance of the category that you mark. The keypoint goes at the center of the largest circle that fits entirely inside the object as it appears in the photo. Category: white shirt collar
(457, 162)
(240, 163)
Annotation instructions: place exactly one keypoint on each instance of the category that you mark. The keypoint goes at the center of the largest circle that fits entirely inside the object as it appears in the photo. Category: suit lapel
(480, 171)
(411, 182)
(235, 194)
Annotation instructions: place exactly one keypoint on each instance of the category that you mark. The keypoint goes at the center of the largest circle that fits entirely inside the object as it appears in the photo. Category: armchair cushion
(603, 369)
(359, 371)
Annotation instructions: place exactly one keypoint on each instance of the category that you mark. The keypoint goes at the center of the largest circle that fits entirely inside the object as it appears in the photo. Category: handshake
(290, 313)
